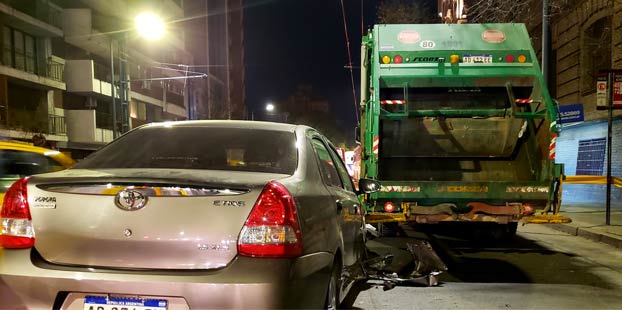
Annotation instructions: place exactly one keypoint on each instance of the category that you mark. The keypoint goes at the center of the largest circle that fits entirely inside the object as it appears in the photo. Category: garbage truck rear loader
(457, 125)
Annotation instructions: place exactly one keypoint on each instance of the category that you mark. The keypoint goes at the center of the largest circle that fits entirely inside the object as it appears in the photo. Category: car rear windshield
(177, 147)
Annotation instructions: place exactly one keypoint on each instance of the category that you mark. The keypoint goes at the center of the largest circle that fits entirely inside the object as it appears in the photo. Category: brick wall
(567, 32)
(567, 148)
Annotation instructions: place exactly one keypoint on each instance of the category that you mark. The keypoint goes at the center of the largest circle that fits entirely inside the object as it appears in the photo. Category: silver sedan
(179, 215)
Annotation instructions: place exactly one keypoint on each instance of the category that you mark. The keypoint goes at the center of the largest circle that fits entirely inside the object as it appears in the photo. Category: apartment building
(215, 35)
(60, 56)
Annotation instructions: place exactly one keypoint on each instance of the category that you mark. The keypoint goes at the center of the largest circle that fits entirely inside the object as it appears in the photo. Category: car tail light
(389, 207)
(272, 228)
(16, 231)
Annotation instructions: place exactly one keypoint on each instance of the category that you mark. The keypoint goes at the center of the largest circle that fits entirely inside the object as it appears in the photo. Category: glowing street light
(149, 25)
(269, 107)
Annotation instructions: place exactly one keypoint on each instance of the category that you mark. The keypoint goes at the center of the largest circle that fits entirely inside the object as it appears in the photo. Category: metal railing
(57, 125)
(55, 69)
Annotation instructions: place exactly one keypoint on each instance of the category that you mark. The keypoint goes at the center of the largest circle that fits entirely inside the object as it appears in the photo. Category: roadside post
(609, 96)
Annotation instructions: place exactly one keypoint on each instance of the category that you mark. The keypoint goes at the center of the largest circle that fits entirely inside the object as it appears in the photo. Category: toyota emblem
(130, 200)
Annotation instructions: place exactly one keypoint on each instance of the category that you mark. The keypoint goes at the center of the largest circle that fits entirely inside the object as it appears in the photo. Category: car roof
(63, 159)
(228, 124)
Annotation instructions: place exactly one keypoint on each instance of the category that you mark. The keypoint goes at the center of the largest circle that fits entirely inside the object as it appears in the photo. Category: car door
(347, 207)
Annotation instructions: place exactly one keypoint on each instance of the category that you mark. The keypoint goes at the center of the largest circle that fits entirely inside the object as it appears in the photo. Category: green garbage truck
(457, 125)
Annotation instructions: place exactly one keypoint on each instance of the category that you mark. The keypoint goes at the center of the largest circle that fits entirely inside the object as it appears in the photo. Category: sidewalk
(588, 221)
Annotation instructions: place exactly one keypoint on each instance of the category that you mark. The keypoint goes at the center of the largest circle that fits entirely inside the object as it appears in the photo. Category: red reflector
(397, 59)
(272, 228)
(389, 207)
(527, 209)
(15, 222)
(509, 58)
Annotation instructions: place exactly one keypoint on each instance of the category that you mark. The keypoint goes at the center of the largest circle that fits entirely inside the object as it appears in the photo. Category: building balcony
(81, 77)
(40, 18)
(82, 127)
(48, 76)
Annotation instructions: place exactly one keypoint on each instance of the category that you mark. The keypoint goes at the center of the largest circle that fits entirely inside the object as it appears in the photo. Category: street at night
(310, 154)
(541, 269)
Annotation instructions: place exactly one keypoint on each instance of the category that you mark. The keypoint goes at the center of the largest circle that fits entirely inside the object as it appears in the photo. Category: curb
(588, 234)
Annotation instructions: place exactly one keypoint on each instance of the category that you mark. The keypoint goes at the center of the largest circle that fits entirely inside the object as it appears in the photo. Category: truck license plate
(123, 303)
(467, 58)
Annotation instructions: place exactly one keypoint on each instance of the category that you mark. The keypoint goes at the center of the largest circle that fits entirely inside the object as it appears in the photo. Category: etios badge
(130, 200)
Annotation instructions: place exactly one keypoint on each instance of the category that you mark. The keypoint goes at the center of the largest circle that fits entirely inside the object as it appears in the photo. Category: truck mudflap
(422, 267)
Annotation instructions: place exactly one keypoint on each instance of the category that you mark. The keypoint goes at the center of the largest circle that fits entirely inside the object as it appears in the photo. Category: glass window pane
(7, 51)
(185, 147)
(327, 166)
(343, 172)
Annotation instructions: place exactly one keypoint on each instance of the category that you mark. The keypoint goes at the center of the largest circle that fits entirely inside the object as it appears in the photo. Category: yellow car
(19, 159)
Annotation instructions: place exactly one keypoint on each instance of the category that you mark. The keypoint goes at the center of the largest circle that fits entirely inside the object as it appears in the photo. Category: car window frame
(341, 169)
(320, 164)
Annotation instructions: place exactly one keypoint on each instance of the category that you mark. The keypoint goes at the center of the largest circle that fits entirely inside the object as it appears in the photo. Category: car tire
(332, 292)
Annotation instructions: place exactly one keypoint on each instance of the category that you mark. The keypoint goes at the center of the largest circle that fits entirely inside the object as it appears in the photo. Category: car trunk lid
(167, 219)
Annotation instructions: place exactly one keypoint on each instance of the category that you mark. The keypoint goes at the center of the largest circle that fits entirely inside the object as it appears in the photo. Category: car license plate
(487, 58)
(123, 303)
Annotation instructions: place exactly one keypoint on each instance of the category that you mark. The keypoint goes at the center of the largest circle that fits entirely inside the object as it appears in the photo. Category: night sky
(293, 42)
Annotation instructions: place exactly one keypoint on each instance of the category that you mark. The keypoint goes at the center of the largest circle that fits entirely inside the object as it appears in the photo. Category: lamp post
(149, 26)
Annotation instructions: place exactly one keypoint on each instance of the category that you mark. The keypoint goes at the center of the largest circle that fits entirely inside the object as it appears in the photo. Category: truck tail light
(522, 58)
(389, 207)
(272, 228)
(397, 59)
(16, 231)
(509, 58)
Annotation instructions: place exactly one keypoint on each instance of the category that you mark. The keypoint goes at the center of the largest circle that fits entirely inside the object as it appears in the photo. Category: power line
(345, 30)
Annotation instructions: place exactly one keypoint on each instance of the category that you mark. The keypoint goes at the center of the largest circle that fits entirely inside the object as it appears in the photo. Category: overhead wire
(345, 30)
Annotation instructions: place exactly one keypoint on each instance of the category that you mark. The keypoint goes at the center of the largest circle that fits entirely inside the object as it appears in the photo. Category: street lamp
(269, 107)
(149, 26)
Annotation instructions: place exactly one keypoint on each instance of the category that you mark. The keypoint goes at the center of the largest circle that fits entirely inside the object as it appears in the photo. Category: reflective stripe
(376, 145)
(523, 101)
(552, 145)
(389, 102)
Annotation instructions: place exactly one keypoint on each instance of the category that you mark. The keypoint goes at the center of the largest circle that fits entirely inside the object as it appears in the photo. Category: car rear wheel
(332, 294)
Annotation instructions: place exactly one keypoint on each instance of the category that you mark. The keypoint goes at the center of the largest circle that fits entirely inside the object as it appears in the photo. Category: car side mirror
(368, 186)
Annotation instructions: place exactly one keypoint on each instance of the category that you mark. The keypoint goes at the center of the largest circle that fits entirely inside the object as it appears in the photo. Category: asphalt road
(539, 269)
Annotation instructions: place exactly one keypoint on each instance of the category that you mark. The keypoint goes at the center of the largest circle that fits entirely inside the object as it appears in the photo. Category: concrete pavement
(588, 221)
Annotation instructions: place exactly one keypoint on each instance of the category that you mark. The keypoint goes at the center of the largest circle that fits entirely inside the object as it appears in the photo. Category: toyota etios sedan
(178, 215)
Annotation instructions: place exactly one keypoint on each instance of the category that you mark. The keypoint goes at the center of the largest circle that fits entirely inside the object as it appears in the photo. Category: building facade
(216, 40)
(58, 60)
(587, 38)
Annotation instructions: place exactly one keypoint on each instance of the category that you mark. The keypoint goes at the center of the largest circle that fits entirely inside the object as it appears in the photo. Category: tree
(306, 108)
(405, 12)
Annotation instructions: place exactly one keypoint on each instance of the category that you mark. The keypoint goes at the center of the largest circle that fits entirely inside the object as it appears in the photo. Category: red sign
(602, 91)
(409, 37)
(617, 90)
(493, 36)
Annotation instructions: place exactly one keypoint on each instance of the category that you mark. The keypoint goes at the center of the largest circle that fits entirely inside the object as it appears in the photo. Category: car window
(188, 147)
(327, 165)
(17, 164)
(343, 172)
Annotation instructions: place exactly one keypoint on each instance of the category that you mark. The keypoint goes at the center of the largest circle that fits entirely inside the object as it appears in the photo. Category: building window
(19, 50)
(596, 53)
(591, 156)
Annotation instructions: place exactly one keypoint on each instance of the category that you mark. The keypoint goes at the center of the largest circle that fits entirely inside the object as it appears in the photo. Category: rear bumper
(245, 283)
